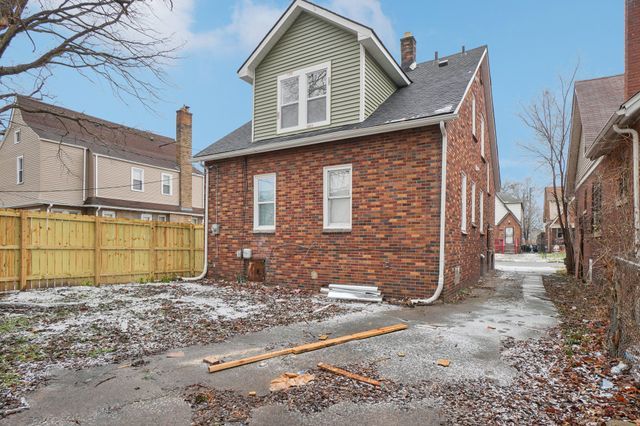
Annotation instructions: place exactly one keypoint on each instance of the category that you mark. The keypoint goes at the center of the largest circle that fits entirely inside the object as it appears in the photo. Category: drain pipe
(206, 228)
(443, 222)
(636, 182)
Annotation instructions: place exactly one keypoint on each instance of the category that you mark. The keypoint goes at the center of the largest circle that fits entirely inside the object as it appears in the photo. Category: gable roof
(513, 215)
(434, 95)
(506, 199)
(366, 36)
(99, 136)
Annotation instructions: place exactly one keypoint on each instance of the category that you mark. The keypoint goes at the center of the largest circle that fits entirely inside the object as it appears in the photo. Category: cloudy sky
(530, 44)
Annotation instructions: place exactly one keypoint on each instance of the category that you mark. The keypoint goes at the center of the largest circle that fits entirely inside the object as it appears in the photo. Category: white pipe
(443, 222)
(206, 228)
(636, 183)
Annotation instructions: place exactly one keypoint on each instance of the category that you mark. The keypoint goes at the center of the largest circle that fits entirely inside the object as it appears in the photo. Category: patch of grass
(14, 324)
(87, 284)
(95, 353)
(554, 257)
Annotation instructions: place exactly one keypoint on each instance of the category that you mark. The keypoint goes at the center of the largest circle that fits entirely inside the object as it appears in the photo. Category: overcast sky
(530, 44)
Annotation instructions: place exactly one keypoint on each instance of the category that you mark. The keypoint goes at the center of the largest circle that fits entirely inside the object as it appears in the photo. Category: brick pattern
(509, 221)
(632, 48)
(183, 153)
(408, 51)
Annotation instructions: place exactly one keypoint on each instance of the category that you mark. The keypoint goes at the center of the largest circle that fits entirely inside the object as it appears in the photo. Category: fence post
(23, 250)
(192, 252)
(152, 252)
(98, 250)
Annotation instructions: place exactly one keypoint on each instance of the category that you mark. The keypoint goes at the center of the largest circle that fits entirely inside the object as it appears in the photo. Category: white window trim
(482, 137)
(488, 180)
(481, 212)
(256, 203)
(473, 115)
(325, 198)
(146, 216)
(163, 218)
(133, 170)
(109, 213)
(17, 136)
(20, 170)
(302, 98)
(162, 176)
(463, 209)
(473, 204)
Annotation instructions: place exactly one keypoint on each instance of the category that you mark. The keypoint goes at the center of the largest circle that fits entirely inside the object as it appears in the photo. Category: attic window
(304, 98)
(17, 136)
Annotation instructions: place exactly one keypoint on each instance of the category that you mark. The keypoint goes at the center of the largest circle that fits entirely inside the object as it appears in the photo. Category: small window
(304, 98)
(463, 197)
(481, 199)
(146, 216)
(264, 202)
(473, 203)
(162, 218)
(167, 184)
(473, 115)
(337, 197)
(482, 137)
(195, 220)
(109, 213)
(20, 170)
(17, 136)
(137, 179)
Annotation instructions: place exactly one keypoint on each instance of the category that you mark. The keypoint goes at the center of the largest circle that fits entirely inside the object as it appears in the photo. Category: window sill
(482, 233)
(473, 225)
(484, 158)
(336, 230)
(264, 231)
(464, 232)
(475, 138)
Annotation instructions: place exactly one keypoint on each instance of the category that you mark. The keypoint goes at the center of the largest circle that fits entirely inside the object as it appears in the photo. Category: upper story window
(167, 184)
(137, 179)
(473, 204)
(481, 199)
(337, 197)
(482, 137)
(20, 170)
(463, 209)
(264, 202)
(304, 98)
(17, 136)
(473, 115)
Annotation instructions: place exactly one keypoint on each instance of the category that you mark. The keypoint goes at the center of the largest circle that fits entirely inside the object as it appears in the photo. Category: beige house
(62, 161)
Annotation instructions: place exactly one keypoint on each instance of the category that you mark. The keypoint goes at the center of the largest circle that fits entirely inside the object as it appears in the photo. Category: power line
(76, 190)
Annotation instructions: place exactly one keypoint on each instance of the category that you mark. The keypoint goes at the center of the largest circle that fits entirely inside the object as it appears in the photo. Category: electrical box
(239, 254)
(246, 253)
(215, 229)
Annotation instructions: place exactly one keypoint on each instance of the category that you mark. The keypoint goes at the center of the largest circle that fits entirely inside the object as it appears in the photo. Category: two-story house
(63, 161)
(356, 169)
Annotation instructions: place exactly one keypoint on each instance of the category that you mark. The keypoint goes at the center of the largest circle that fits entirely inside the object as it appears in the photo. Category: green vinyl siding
(309, 41)
(377, 86)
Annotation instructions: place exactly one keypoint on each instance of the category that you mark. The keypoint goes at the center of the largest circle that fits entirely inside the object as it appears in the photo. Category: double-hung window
(17, 136)
(304, 98)
(337, 197)
(167, 184)
(137, 179)
(473, 115)
(463, 209)
(20, 170)
(473, 204)
(482, 136)
(264, 202)
(481, 199)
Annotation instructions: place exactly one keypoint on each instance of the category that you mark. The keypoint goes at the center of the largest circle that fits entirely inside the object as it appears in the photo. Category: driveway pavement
(470, 333)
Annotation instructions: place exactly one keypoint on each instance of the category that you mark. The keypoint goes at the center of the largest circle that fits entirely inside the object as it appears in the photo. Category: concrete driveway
(469, 333)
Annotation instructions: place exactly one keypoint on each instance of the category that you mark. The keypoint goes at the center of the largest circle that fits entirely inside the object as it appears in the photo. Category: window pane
(290, 91)
(339, 211)
(265, 189)
(289, 116)
(317, 110)
(339, 183)
(317, 83)
(137, 185)
(266, 214)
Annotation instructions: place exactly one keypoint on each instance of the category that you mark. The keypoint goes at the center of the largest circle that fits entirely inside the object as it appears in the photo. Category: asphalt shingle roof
(436, 90)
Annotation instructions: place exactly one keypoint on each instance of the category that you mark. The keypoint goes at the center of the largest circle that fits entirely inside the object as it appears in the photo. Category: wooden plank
(152, 252)
(309, 347)
(23, 250)
(192, 252)
(345, 373)
(97, 262)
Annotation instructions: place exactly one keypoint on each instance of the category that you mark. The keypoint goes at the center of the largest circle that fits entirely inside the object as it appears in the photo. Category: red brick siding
(394, 240)
(463, 155)
(509, 221)
(632, 48)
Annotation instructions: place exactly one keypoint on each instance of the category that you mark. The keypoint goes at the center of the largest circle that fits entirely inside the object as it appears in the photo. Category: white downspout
(636, 183)
(206, 228)
(443, 222)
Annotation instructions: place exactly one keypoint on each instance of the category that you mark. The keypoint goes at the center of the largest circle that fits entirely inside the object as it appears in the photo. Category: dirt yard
(81, 327)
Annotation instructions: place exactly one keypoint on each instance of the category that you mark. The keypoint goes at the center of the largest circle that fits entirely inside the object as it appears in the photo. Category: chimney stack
(408, 51)
(632, 48)
(183, 156)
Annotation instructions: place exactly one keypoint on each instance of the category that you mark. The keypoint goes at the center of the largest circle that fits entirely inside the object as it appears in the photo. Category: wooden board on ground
(345, 373)
(308, 347)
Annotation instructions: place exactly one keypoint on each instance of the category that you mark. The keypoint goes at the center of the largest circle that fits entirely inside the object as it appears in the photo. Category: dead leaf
(443, 362)
(283, 382)
(323, 337)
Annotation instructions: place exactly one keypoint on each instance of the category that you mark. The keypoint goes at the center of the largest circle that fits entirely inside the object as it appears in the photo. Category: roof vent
(443, 63)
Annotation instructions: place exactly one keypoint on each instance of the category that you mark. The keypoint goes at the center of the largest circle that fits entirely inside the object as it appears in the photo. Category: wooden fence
(40, 250)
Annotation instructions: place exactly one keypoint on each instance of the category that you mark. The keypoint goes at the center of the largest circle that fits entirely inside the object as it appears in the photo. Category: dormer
(316, 69)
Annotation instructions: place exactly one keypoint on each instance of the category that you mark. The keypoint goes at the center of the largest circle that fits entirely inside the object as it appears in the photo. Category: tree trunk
(570, 260)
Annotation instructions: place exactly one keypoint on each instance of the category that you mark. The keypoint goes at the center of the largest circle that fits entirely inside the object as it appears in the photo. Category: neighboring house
(59, 160)
(594, 101)
(508, 229)
(553, 233)
(609, 196)
(356, 170)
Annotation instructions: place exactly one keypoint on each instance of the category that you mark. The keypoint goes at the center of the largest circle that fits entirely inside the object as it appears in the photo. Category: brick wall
(509, 222)
(632, 48)
(463, 250)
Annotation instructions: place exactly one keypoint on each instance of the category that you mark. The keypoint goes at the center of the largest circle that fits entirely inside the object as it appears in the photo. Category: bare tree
(527, 192)
(549, 119)
(109, 40)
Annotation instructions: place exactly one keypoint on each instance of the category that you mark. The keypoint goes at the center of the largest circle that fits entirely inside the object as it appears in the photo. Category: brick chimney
(632, 48)
(408, 51)
(183, 156)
